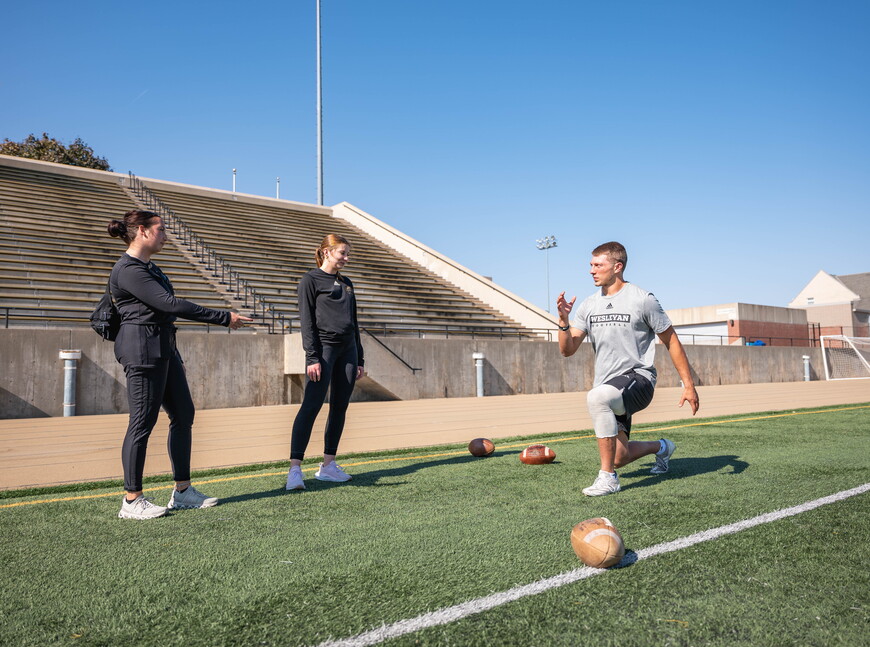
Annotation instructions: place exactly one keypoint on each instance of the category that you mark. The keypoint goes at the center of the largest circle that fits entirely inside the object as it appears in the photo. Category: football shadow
(681, 468)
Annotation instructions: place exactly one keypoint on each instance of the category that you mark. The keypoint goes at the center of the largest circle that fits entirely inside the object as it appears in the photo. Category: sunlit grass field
(420, 530)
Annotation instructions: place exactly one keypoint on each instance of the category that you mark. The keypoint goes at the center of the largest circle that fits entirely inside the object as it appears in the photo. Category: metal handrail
(221, 268)
(48, 314)
(391, 351)
(281, 324)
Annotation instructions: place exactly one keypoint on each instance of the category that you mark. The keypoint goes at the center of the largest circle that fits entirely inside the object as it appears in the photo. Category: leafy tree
(48, 149)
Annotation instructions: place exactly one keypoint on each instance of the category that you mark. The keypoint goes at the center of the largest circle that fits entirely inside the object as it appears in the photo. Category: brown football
(537, 455)
(481, 447)
(597, 543)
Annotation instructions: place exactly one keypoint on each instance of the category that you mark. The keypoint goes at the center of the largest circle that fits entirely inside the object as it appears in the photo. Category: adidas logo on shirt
(609, 306)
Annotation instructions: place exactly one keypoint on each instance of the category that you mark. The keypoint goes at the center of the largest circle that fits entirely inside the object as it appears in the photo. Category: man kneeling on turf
(622, 321)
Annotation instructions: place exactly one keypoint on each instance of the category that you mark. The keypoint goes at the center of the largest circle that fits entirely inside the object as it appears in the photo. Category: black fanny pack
(105, 319)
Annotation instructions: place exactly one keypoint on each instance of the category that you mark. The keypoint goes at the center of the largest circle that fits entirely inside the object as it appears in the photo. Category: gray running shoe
(190, 498)
(331, 472)
(140, 508)
(663, 460)
(294, 479)
(605, 483)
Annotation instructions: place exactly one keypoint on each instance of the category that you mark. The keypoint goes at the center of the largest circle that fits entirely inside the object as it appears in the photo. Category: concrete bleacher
(55, 253)
(272, 246)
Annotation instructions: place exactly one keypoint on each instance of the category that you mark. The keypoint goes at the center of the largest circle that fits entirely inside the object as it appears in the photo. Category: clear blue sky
(726, 144)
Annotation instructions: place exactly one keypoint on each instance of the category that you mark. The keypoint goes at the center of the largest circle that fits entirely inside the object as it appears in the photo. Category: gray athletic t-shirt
(622, 329)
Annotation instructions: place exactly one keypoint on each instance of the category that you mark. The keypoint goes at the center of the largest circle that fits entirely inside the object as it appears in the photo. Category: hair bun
(117, 228)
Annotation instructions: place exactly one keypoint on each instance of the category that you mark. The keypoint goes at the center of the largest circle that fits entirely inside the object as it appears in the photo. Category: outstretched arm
(569, 340)
(678, 356)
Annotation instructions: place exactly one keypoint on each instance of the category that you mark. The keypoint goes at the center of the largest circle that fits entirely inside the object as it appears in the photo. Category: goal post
(846, 358)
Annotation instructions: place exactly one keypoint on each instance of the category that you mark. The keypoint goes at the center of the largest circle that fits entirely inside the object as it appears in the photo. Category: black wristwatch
(563, 328)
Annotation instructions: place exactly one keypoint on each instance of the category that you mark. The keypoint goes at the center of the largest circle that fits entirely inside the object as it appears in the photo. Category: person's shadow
(366, 479)
(681, 468)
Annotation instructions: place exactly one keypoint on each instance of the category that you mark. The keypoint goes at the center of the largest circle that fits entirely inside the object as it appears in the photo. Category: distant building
(743, 323)
(840, 304)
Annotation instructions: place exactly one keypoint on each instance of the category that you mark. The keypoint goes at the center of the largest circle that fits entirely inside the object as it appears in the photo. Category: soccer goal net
(846, 358)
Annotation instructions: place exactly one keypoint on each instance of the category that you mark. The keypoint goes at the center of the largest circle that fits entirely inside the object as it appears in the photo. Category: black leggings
(338, 370)
(147, 389)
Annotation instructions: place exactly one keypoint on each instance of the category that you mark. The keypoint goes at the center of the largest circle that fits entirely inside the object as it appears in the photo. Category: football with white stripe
(597, 543)
(537, 455)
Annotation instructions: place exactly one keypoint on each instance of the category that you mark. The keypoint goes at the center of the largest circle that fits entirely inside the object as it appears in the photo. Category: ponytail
(330, 241)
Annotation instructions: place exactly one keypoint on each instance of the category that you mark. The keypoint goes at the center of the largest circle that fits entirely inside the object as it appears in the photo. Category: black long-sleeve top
(327, 309)
(146, 300)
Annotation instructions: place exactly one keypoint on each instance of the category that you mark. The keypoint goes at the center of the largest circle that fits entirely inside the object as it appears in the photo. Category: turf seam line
(447, 615)
(83, 497)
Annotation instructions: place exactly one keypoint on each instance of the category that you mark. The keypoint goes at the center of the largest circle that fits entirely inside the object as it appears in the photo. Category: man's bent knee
(604, 403)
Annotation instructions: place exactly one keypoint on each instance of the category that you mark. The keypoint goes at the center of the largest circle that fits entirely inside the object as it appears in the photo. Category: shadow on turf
(685, 468)
(366, 479)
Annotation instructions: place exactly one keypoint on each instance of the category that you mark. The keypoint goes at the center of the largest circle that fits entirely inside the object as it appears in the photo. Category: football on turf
(597, 543)
(537, 455)
(481, 447)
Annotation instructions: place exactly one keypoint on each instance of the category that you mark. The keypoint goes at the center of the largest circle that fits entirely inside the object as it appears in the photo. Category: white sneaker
(140, 508)
(294, 479)
(662, 460)
(190, 498)
(605, 483)
(331, 472)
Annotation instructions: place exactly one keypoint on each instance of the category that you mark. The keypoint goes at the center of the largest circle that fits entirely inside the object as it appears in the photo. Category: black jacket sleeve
(360, 356)
(307, 294)
(144, 286)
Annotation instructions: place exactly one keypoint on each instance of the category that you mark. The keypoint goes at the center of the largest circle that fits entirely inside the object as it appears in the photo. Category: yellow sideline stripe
(226, 479)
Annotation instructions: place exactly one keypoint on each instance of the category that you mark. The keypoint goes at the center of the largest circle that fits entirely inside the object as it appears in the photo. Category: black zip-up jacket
(149, 308)
(327, 309)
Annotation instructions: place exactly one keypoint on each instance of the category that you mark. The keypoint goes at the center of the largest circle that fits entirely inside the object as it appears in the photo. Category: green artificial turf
(411, 534)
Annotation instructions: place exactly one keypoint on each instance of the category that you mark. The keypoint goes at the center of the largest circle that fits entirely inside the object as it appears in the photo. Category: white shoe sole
(329, 479)
(205, 504)
(139, 517)
(590, 492)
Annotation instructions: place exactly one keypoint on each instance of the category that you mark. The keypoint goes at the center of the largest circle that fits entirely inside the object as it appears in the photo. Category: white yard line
(459, 611)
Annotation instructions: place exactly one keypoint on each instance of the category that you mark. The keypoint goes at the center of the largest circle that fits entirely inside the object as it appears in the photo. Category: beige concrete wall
(244, 370)
(223, 370)
(727, 311)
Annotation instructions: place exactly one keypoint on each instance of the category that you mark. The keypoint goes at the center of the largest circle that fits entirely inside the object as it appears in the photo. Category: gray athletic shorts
(637, 393)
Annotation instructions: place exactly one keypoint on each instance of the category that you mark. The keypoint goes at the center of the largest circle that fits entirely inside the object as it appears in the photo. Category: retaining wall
(247, 370)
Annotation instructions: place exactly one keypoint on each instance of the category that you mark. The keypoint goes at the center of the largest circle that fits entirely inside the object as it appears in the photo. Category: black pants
(337, 370)
(147, 389)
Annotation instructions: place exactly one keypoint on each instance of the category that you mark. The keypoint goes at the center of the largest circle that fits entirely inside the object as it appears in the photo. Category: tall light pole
(319, 116)
(546, 243)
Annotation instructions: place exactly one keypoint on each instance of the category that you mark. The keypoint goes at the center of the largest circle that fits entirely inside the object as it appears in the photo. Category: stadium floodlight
(278, 188)
(546, 243)
(234, 180)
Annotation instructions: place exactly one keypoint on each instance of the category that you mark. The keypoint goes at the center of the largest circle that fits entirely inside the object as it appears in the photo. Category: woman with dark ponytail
(145, 346)
(333, 357)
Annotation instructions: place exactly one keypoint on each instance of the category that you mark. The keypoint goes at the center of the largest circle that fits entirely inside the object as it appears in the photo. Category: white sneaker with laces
(663, 460)
(605, 483)
(140, 508)
(190, 498)
(331, 472)
(294, 479)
